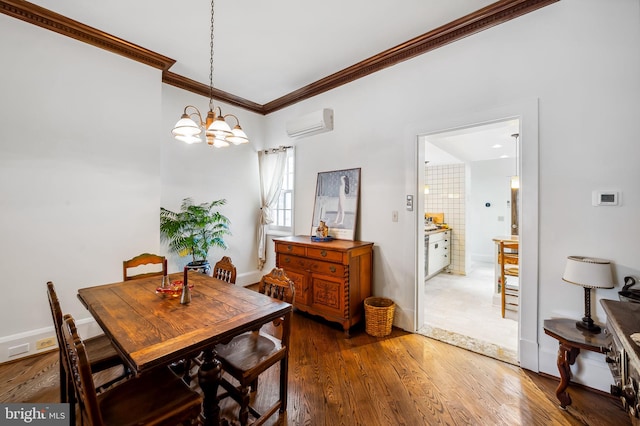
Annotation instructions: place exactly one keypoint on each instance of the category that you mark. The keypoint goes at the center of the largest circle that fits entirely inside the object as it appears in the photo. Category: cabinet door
(301, 286)
(328, 295)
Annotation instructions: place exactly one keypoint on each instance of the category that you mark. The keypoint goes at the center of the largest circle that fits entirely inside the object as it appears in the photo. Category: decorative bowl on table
(173, 289)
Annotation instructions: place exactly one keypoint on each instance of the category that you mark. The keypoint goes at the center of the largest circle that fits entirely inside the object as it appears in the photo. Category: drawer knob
(287, 259)
(323, 253)
(332, 268)
(289, 247)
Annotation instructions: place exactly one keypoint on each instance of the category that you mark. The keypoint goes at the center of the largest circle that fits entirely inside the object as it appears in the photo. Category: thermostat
(605, 198)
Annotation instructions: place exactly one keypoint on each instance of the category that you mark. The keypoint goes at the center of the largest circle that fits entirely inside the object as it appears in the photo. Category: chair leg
(254, 385)
(284, 368)
(187, 371)
(63, 380)
(243, 416)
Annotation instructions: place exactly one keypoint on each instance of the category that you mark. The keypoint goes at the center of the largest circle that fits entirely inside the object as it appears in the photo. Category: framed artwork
(337, 199)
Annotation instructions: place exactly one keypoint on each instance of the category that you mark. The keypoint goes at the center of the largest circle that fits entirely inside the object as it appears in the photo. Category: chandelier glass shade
(217, 132)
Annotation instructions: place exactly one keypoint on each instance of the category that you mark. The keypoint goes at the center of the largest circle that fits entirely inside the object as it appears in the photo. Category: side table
(571, 339)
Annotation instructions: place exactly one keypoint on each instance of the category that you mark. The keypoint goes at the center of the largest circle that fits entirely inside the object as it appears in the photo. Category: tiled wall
(447, 195)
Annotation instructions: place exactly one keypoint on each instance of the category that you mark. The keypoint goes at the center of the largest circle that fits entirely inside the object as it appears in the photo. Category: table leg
(567, 355)
(209, 376)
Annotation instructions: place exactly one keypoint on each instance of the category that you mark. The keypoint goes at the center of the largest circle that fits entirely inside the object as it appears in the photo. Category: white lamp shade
(515, 182)
(588, 272)
(239, 136)
(186, 127)
(219, 128)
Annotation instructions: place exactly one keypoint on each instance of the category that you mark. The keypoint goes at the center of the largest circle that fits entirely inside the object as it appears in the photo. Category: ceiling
(481, 142)
(265, 50)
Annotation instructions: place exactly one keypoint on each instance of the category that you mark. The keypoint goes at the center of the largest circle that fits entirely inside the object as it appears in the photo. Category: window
(283, 213)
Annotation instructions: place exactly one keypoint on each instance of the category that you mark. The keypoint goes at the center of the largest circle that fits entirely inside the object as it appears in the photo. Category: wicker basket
(378, 313)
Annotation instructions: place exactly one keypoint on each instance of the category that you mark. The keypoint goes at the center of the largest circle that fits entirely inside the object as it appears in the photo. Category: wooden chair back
(250, 354)
(66, 395)
(225, 270)
(144, 259)
(80, 372)
(277, 285)
(509, 266)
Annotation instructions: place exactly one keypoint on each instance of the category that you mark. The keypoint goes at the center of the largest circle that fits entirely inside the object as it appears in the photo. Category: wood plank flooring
(402, 379)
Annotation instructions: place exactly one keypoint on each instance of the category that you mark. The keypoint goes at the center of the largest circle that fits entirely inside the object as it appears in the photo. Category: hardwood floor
(402, 379)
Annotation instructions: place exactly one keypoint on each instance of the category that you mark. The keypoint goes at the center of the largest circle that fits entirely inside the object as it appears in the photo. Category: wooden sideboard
(332, 278)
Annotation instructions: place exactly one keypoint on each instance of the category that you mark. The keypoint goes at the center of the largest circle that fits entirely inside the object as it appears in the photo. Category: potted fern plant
(194, 230)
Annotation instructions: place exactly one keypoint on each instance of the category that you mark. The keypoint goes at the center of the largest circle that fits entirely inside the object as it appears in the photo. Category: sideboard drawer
(324, 254)
(289, 249)
(327, 268)
(311, 265)
(294, 262)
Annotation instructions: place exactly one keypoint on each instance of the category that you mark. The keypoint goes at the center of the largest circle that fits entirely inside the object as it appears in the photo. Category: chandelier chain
(211, 62)
(217, 132)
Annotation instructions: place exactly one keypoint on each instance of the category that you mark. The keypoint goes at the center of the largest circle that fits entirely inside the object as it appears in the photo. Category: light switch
(410, 202)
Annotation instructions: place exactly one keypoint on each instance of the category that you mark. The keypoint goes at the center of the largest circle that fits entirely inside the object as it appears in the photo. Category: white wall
(86, 161)
(489, 184)
(584, 72)
(78, 171)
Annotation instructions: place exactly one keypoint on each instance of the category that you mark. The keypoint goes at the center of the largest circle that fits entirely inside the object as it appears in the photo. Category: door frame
(527, 112)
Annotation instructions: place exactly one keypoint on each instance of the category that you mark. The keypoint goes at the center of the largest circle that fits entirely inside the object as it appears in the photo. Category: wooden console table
(571, 339)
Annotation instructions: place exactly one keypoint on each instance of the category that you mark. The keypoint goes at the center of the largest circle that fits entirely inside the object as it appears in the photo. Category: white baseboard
(24, 344)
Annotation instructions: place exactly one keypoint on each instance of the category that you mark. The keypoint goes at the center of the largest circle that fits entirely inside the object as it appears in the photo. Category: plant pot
(202, 266)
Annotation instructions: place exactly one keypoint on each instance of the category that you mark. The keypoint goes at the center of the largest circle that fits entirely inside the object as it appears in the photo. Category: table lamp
(589, 273)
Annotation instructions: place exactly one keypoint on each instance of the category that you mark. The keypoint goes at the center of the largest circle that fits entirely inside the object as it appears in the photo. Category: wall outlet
(47, 342)
(17, 350)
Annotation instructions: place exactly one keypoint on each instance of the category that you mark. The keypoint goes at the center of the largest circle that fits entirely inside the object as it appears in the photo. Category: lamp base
(590, 327)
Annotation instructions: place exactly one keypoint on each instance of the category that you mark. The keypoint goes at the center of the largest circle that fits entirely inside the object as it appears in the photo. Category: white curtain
(272, 165)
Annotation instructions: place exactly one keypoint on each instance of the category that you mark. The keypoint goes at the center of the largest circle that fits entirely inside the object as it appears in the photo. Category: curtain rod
(276, 150)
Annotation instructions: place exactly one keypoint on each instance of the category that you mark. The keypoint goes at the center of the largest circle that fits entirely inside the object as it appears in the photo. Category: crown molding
(193, 86)
(482, 19)
(60, 24)
(487, 17)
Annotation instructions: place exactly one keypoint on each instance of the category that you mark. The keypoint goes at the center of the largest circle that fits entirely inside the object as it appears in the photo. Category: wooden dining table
(151, 329)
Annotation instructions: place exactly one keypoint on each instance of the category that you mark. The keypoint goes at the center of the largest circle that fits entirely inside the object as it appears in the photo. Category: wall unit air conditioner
(311, 124)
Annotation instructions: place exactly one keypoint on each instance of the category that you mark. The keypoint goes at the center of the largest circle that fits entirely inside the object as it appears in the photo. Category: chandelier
(217, 132)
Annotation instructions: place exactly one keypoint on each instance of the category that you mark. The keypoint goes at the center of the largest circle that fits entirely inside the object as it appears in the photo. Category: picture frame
(337, 199)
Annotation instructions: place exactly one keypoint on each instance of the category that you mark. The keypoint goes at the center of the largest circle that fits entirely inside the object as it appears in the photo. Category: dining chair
(225, 270)
(155, 397)
(100, 352)
(248, 355)
(509, 267)
(144, 259)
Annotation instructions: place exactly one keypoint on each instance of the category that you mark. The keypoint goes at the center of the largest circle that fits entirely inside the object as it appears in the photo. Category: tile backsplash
(447, 195)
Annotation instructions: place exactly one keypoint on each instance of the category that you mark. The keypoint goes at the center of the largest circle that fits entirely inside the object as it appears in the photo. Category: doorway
(468, 178)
